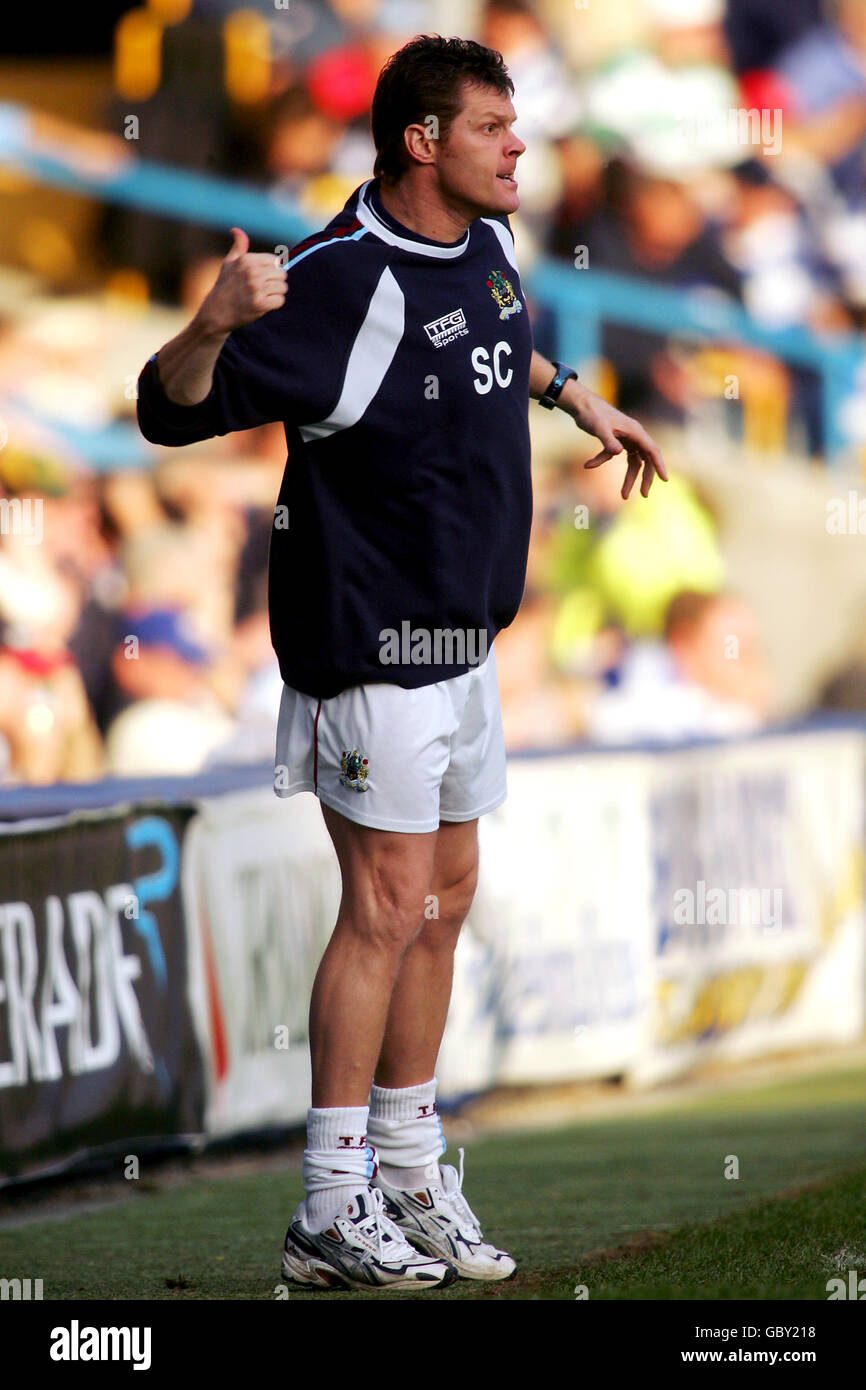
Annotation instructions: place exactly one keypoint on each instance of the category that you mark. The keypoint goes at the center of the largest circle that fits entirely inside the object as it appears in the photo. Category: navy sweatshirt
(400, 368)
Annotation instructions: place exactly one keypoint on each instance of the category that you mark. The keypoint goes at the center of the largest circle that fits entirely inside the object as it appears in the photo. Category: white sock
(338, 1162)
(405, 1127)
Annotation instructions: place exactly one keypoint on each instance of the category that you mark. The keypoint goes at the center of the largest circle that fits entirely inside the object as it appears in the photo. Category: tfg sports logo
(446, 329)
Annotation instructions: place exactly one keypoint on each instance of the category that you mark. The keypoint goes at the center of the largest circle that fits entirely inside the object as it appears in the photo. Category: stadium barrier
(638, 912)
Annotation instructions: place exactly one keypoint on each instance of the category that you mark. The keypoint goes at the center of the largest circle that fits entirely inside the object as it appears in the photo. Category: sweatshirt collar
(372, 214)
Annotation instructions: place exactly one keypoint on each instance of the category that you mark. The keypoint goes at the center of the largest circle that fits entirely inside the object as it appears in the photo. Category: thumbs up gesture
(248, 286)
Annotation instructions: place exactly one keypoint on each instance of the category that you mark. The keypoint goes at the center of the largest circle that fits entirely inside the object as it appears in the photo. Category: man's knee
(447, 907)
(384, 908)
(395, 908)
(383, 874)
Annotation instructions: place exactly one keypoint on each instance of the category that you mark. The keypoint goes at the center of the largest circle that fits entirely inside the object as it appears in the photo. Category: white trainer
(361, 1249)
(439, 1220)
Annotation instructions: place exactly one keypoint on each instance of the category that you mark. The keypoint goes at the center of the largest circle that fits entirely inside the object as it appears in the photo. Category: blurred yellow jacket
(628, 570)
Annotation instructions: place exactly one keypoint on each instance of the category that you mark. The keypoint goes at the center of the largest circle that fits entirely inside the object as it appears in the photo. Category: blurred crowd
(712, 144)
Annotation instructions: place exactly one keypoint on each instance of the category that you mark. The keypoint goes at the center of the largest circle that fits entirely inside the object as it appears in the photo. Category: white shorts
(396, 759)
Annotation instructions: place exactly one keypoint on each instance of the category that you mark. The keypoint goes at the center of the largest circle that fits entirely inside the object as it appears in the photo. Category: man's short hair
(425, 78)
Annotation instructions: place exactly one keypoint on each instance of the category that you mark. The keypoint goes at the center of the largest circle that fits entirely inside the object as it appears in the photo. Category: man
(399, 355)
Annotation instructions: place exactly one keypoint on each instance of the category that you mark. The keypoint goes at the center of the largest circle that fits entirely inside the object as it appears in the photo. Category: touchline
(76, 1343)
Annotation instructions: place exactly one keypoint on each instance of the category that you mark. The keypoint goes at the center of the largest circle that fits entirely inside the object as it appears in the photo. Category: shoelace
(466, 1217)
(378, 1224)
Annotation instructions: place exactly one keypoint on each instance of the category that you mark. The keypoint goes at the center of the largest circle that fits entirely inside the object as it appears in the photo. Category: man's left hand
(616, 432)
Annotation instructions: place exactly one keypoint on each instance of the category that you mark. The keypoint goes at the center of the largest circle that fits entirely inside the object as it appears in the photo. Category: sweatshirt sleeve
(286, 366)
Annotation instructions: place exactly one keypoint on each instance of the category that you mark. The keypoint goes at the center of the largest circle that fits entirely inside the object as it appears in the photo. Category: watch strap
(554, 390)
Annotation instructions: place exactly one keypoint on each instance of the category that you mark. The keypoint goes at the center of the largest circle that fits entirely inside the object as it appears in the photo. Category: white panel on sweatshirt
(505, 241)
(372, 354)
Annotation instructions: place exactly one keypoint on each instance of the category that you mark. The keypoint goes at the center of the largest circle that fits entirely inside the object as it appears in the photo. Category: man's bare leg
(424, 1197)
(422, 992)
(385, 875)
(340, 1231)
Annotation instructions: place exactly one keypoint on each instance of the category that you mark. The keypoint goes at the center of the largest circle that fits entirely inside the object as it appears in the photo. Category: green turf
(569, 1204)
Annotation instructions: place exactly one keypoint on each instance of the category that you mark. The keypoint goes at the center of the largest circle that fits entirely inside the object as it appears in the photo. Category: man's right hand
(248, 286)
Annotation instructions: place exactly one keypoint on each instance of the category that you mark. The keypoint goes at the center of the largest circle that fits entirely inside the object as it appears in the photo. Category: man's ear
(421, 140)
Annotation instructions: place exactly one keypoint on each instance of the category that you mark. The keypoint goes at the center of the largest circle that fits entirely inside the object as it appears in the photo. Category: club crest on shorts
(353, 771)
(503, 293)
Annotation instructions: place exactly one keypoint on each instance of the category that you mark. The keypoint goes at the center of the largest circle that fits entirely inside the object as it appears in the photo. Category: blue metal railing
(119, 176)
(583, 301)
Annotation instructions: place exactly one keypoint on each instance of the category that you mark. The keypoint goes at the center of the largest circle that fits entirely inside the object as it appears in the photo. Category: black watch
(552, 394)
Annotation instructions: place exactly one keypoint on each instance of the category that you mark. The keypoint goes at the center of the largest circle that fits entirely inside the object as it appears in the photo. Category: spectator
(653, 227)
(667, 103)
(47, 733)
(546, 96)
(785, 279)
(824, 73)
(255, 727)
(759, 30)
(173, 721)
(707, 679)
(823, 78)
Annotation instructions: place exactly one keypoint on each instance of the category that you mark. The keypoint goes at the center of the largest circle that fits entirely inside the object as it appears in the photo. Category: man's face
(477, 157)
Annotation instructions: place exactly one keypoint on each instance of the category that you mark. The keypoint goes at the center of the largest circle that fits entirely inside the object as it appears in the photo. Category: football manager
(396, 348)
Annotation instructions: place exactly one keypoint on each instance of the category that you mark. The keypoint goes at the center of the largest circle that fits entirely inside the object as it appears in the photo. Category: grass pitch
(631, 1208)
